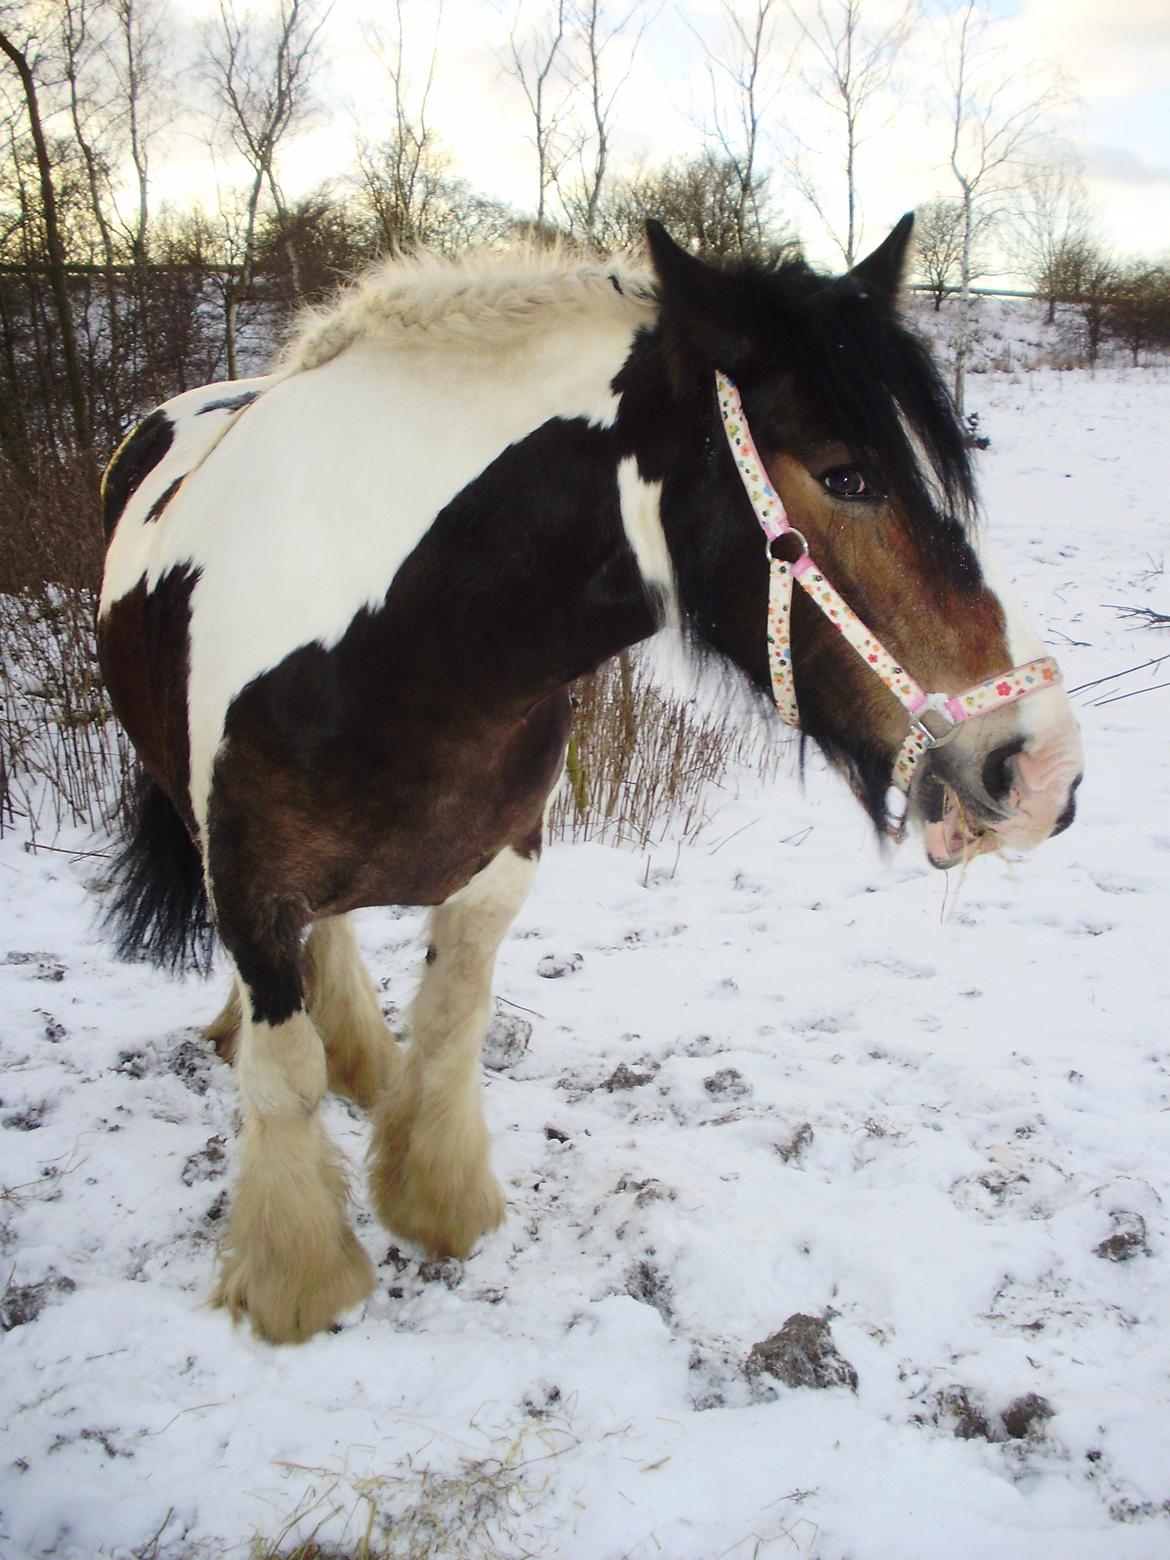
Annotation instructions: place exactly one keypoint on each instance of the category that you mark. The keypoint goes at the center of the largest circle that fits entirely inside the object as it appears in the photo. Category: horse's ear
(881, 272)
(703, 314)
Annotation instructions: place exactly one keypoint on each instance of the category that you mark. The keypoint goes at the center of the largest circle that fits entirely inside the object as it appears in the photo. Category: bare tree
(850, 52)
(744, 80)
(261, 77)
(597, 35)
(1049, 220)
(400, 175)
(698, 201)
(537, 59)
(996, 116)
(24, 53)
(938, 246)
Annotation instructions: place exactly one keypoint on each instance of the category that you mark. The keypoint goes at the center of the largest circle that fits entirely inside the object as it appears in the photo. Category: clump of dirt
(191, 1061)
(957, 1409)
(506, 1041)
(23, 1303)
(207, 1163)
(645, 1282)
(1026, 1416)
(791, 1150)
(624, 1077)
(953, 1408)
(801, 1354)
(727, 1084)
(1127, 1241)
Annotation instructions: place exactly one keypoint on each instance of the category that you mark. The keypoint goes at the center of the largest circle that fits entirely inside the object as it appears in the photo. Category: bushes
(643, 757)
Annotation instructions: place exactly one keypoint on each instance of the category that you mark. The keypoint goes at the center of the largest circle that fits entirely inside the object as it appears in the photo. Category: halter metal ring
(789, 530)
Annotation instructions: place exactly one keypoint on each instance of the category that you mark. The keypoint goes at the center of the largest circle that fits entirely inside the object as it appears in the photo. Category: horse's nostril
(997, 770)
(1070, 810)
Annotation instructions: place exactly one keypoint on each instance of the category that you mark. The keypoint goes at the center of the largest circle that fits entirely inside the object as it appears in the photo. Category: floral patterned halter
(944, 713)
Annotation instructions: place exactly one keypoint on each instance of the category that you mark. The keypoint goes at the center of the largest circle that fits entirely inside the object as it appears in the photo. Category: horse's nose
(1031, 787)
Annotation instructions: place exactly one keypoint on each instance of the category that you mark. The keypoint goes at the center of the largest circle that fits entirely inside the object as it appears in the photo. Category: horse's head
(863, 487)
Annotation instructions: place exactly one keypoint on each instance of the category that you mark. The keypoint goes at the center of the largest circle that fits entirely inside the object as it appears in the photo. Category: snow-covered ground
(765, 1074)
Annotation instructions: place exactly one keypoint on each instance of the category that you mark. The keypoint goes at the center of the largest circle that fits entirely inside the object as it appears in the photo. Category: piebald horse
(344, 603)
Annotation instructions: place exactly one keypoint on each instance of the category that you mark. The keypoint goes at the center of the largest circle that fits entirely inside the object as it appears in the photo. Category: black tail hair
(159, 911)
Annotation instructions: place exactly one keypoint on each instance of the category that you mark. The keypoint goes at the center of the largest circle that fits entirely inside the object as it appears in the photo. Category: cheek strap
(934, 717)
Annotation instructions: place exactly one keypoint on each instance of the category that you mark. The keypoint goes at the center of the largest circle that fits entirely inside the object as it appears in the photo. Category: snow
(915, 1105)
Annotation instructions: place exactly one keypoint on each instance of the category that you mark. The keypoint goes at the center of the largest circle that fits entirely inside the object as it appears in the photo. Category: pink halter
(949, 712)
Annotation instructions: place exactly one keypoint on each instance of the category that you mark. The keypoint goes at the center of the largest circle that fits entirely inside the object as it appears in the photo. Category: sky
(1113, 63)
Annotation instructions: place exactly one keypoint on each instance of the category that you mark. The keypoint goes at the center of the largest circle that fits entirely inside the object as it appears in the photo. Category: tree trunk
(58, 280)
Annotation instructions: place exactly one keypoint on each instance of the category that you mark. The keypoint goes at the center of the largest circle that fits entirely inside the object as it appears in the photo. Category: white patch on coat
(194, 434)
(641, 508)
(303, 515)
(1045, 719)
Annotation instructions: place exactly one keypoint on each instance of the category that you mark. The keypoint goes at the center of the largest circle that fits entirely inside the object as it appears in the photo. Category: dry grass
(62, 760)
(643, 758)
(474, 1509)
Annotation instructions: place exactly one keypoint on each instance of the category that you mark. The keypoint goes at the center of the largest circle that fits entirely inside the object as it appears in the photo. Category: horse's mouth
(954, 831)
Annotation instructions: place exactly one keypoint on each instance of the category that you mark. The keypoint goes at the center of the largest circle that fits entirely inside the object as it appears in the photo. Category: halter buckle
(935, 704)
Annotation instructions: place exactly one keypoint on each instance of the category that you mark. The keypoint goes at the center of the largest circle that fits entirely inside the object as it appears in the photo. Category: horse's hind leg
(291, 1261)
(430, 1176)
(224, 1029)
(343, 1003)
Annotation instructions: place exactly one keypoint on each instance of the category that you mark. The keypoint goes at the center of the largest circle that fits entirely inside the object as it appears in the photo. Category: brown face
(1004, 778)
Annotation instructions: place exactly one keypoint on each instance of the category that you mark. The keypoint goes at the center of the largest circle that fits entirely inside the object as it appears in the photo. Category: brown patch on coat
(143, 646)
(949, 633)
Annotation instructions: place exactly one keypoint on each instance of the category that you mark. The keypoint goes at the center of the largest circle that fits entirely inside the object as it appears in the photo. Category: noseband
(934, 717)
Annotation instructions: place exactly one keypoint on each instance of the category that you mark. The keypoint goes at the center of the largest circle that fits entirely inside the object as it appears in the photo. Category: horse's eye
(848, 482)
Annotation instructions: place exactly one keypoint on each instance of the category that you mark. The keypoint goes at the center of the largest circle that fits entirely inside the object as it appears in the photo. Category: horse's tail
(159, 909)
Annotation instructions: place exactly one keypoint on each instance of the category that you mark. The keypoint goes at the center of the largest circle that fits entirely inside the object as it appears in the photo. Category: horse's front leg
(430, 1174)
(342, 1002)
(291, 1262)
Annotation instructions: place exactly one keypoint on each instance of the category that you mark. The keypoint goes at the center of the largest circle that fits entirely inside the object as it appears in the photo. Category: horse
(344, 604)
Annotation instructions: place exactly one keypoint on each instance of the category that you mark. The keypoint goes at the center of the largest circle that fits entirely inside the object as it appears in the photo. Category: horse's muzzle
(999, 787)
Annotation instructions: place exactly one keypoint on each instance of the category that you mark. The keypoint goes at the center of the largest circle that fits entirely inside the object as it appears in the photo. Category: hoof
(445, 1214)
(284, 1305)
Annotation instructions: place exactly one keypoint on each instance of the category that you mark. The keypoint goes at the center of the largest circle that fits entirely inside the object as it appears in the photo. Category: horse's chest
(381, 801)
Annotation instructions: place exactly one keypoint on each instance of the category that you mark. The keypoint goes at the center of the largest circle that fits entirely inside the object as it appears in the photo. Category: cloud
(1109, 51)
(1119, 165)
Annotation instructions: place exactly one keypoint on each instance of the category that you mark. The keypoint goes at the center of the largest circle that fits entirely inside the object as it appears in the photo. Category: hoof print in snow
(207, 1163)
(727, 1084)
(1128, 1239)
(23, 1303)
(624, 1077)
(506, 1041)
(791, 1150)
(801, 1354)
(553, 965)
(1026, 1416)
(953, 1409)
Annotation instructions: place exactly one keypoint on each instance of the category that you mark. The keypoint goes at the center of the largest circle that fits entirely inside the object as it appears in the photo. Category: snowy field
(767, 1074)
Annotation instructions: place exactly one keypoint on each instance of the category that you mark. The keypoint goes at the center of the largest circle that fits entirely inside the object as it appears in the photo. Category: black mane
(868, 380)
